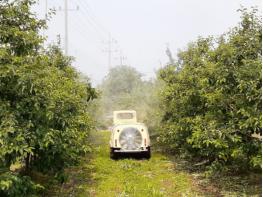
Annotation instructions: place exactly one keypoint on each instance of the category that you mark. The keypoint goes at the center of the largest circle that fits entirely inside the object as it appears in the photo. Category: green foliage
(212, 97)
(123, 88)
(16, 186)
(44, 121)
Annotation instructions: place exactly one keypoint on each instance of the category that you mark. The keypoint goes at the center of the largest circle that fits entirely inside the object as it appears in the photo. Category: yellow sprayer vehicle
(128, 135)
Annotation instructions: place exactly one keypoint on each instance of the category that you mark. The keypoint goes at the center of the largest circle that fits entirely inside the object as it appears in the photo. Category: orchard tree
(123, 88)
(212, 105)
(44, 122)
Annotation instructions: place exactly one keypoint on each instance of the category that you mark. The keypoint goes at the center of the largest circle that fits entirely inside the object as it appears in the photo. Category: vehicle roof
(129, 124)
(124, 111)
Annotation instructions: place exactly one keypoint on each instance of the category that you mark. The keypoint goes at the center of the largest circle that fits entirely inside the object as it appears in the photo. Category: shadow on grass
(135, 156)
(220, 184)
(76, 178)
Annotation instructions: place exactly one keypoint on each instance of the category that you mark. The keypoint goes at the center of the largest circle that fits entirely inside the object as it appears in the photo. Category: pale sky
(141, 28)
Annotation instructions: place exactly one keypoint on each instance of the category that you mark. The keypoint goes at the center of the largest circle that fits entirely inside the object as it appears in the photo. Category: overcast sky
(141, 29)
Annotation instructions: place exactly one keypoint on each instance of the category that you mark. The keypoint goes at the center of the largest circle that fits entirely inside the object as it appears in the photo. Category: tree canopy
(44, 122)
(212, 97)
(123, 88)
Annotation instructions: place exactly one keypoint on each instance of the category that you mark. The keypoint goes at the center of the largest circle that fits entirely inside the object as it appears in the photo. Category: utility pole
(121, 58)
(46, 9)
(66, 22)
(66, 26)
(109, 49)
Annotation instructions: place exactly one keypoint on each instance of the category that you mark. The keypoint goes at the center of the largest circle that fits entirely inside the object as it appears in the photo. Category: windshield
(125, 116)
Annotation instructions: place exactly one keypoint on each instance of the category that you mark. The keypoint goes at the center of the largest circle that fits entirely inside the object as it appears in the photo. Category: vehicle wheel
(147, 154)
(113, 155)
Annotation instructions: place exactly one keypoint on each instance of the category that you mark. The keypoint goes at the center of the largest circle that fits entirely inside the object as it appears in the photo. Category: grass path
(100, 176)
(131, 177)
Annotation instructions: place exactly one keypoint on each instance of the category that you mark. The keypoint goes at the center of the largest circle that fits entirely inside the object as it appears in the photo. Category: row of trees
(44, 122)
(211, 98)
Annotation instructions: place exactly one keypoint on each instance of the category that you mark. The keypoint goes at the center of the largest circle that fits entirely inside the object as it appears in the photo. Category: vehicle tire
(113, 155)
(147, 154)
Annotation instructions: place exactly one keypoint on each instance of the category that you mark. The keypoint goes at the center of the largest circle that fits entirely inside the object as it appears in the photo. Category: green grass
(98, 175)
(102, 176)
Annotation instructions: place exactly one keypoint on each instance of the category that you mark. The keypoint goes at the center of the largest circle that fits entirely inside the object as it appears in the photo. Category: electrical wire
(90, 14)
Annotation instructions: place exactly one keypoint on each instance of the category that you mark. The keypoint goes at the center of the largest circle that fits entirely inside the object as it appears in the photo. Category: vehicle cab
(128, 135)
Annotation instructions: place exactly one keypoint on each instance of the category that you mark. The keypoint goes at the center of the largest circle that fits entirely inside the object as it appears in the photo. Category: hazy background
(140, 29)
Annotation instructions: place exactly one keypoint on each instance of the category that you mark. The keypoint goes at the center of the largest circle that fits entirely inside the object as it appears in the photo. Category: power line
(80, 30)
(88, 21)
(99, 28)
(90, 24)
(92, 17)
(66, 26)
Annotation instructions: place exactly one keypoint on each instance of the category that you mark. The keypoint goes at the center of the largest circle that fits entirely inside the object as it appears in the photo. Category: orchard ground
(98, 175)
